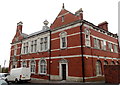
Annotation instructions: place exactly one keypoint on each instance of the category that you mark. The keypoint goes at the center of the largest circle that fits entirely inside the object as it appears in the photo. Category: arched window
(13, 66)
(63, 40)
(117, 63)
(32, 66)
(98, 68)
(43, 67)
(87, 37)
(24, 64)
(105, 63)
(112, 63)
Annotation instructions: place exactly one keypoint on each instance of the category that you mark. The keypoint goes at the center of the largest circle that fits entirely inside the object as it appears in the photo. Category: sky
(33, 12)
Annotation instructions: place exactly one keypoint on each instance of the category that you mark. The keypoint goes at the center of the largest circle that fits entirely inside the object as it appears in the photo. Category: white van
(19, 74)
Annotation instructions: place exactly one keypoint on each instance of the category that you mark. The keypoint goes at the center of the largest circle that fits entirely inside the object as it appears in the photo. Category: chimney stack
(19, 28)
(103, 25)
(79, 13)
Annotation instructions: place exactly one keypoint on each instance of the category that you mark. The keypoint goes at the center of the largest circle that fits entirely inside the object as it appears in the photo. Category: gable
(68, 18)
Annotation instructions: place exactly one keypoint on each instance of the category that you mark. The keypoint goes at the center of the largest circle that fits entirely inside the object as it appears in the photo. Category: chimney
(103, 25)
(79, 13)
(19, 28)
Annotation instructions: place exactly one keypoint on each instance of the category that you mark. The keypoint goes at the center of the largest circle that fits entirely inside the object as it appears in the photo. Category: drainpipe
(50, 55)
(81, 41)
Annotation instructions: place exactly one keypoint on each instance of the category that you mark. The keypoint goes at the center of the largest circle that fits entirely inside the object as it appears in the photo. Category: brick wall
(112, 73)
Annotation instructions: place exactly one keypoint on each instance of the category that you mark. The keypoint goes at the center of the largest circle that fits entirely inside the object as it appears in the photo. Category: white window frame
(98, 68)
(112, 63)
(87, 39)
(96, 43)
(32, 47)
(35, 45)
(110, 47)
(115, 49)
(105, 62)
(63, 35)
(45, 43)
(104, 43)
(33, 72)
(27, 47)
(24, 64)
(15, 49)
(63, 18)
(45, 66)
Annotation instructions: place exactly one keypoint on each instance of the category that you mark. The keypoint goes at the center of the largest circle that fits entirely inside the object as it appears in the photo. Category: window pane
(63, 42)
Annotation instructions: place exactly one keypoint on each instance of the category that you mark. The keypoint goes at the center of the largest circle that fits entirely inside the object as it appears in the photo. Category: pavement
(69, 82)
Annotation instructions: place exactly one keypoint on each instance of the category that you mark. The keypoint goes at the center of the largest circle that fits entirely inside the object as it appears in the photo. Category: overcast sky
(33, 12)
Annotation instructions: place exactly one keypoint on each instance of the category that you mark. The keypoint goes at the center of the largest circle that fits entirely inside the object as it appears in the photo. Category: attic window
(62, 18)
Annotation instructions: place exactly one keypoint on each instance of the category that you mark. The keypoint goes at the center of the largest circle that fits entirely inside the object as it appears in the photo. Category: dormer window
(62, 18)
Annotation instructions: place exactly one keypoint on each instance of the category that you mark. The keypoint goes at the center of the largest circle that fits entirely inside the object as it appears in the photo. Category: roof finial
(63, 6)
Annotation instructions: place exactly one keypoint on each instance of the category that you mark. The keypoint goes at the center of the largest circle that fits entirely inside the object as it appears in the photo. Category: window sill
(63, 48)
(88, 46)
(44, 74)
(32, 73)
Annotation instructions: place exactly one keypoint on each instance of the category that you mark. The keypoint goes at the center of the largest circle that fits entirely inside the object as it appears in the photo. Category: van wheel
(16, 81)
(6, 80)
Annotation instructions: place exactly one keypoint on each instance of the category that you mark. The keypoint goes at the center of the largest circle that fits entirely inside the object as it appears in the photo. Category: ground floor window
(117, 63)
(112, 63)
(105, 63)
(32, 66)
(24, 64)
(43, 67)
(98, 68)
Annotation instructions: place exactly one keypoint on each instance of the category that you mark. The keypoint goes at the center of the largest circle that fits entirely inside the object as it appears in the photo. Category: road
(62, 84)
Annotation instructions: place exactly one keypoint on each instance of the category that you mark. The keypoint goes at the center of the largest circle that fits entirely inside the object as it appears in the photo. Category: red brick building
(71, 49)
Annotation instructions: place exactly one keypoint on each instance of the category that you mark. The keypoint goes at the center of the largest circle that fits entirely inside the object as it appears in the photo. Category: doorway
(63, 71)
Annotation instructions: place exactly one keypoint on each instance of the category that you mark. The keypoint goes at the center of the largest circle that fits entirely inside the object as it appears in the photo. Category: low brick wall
(112, 73)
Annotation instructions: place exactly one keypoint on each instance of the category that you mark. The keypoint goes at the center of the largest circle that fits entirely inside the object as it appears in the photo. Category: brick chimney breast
(19, 28)
(103, 25)
(79, 13)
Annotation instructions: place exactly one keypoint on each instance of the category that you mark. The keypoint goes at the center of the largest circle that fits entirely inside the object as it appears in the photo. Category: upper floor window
(27, 47)
(24, 48)
(103, 44)
(35, 45)
(63, 40)
(87, 37)
(62, 18)
(31, 46)
(110, 47)
(115, 49)
(97, 43)
(41, 44)
(46, 43)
